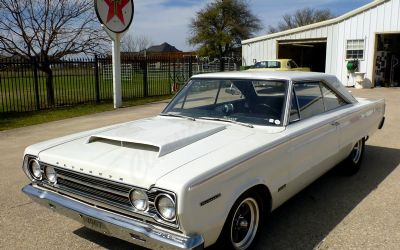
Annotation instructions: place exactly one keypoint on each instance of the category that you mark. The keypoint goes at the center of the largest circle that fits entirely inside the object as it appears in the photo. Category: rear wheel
(352, 163)
(244, 223)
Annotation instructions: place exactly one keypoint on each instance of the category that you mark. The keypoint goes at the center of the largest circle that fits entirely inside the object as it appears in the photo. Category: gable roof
(165, 47)
(320, 24)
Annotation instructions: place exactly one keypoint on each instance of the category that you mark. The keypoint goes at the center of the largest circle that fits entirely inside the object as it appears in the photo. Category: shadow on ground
(306, 219)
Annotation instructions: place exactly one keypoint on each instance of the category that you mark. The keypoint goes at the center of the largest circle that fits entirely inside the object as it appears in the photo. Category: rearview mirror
(232, 91)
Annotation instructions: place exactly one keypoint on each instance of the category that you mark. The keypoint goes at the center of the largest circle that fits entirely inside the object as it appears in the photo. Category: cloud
(168, 20)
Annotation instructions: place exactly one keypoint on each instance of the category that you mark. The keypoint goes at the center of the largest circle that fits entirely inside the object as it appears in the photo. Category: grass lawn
(16, 120)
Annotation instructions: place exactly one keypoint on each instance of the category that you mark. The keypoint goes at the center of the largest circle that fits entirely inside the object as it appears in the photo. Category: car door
(314, 132)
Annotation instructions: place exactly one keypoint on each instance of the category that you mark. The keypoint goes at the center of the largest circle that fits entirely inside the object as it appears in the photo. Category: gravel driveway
(335, 212)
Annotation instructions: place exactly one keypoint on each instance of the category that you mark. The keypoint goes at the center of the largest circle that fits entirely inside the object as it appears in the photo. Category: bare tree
(300, 18)
(131, 43)
(47, 30)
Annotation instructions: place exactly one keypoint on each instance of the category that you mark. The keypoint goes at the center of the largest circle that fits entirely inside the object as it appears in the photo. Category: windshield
(256, 102)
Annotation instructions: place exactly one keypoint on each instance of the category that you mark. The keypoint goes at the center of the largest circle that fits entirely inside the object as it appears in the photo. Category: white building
(370, 34)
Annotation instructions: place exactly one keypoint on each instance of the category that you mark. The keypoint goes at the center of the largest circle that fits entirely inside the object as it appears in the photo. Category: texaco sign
(115, 15)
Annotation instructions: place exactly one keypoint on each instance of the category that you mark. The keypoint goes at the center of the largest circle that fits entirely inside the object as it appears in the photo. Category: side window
(294, 109)
(331, 99)
(309, 98)
(292, 64)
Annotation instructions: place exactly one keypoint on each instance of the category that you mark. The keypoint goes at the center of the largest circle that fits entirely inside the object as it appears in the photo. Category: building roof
(317, 25)
(165, 47)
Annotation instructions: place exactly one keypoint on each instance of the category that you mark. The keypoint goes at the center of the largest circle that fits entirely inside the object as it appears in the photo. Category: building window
(355, 49)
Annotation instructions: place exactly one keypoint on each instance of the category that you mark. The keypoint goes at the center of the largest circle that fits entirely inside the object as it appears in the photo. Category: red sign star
(115, 9)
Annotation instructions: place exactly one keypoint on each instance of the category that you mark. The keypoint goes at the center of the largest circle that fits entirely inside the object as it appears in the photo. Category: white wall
(383, 18)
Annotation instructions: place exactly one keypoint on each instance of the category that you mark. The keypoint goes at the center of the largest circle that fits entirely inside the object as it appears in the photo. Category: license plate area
(94, 224)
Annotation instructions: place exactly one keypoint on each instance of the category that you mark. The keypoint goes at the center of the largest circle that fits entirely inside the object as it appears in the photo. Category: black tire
(241, 229)
(351, 165)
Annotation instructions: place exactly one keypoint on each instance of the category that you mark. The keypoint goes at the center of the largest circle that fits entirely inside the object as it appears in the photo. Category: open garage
(306, 53)
(387, 67)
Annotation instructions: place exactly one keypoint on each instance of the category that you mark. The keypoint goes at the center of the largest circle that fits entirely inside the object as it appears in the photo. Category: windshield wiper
(178, 115)
(226, 120)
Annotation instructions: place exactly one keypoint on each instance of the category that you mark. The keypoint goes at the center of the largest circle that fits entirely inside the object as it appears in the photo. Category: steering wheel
(262, 107)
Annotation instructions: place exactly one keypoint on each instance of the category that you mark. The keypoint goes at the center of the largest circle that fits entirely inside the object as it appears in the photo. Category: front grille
(101, 190)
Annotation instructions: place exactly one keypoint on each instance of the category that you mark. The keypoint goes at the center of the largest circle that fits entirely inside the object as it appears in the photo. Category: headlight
(139, 200)
(166, 207)
(50, 174)
(34, 169)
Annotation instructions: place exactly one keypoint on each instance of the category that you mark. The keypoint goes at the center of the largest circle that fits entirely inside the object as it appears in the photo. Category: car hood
(140, 152)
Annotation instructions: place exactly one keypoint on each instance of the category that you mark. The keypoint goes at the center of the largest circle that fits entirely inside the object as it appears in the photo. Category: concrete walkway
(359, 212)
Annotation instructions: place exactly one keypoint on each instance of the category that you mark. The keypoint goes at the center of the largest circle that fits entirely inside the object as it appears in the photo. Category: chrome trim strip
(122, 227)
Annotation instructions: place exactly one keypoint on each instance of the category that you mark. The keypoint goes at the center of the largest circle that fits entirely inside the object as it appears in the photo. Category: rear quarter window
(314, 98)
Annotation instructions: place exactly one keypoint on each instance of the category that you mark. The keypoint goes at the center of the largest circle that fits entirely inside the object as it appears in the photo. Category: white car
(227, 150)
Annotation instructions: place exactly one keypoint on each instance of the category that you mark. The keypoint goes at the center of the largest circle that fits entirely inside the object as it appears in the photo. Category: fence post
(190, 66)
(171, 89)
(96, 78)
(145, 78)
(36, 83)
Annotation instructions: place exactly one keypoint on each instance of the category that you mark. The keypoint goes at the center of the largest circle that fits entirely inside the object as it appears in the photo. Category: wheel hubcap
(357, 150)
(245, 224)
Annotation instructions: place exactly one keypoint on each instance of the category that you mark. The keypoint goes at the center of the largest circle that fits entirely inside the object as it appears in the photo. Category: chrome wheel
(245, 224)
(357, 151)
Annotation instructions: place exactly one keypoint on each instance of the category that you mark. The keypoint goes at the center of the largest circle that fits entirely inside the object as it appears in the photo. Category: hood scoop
(157, 135)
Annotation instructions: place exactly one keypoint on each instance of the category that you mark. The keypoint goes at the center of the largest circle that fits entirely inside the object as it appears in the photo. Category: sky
(168, 20)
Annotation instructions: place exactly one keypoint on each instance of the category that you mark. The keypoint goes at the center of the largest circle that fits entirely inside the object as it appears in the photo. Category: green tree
(300, 18)
(220, 27)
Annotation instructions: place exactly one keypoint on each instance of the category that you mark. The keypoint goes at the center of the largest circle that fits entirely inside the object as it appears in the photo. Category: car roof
(261, 75)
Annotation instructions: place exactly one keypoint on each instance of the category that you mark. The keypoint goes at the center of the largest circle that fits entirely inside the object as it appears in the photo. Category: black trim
(210, 199)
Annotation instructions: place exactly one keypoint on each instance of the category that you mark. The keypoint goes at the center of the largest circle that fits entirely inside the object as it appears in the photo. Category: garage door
(306, 53)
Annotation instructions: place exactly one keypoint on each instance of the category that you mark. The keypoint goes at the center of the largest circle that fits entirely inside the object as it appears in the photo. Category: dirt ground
(335, 212)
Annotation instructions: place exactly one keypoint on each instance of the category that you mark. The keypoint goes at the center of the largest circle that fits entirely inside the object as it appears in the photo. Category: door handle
(335, 123)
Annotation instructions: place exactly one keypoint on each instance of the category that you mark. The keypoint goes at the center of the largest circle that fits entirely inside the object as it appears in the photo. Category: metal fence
(77, 81)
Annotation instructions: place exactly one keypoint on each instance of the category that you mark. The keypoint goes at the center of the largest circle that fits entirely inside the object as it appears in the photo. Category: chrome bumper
(112, 224)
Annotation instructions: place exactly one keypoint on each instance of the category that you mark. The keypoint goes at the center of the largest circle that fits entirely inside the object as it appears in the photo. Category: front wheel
(244, 223)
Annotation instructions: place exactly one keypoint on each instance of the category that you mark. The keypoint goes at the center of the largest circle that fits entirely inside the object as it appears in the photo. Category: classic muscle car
(278, 65)
(226, 151)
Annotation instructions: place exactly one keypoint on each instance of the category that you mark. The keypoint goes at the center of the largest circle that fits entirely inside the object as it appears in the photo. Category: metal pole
(116, 59)
(36, 82)
(97, 78)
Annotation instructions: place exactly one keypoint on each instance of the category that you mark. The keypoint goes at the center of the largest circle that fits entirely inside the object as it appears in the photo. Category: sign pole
(115, 17)
(116, 61)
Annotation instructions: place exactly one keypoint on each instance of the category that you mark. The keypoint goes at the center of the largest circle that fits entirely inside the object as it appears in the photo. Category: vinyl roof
(268, 74)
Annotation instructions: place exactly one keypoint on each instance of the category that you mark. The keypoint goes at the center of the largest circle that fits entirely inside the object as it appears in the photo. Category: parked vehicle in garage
(226, 151)
(278, 65)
